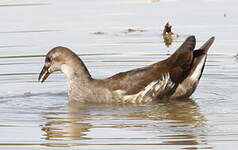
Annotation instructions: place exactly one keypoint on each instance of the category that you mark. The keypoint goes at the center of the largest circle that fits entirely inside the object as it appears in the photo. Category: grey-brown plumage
(174, 77)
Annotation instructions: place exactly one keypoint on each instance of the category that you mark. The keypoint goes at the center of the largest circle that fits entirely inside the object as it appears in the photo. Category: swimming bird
(172, 78)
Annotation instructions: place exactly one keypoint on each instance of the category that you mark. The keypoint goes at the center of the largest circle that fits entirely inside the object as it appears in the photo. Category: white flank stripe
(150, 92)
(197, 71)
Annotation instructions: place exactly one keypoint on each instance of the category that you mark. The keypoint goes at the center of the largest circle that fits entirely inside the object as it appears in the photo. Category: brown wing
(176, 65)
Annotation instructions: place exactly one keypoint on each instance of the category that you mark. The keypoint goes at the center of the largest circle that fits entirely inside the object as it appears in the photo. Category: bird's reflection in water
(68, 125)
(177, 122)
(181, 110)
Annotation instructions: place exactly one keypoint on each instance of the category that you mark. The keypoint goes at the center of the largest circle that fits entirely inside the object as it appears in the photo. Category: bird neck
(75, 69)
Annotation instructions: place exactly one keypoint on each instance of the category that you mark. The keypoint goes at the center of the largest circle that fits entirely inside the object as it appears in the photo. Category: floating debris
(99, 33)
(27, 93)
(168, 35)
(167, 29)
(131, 30)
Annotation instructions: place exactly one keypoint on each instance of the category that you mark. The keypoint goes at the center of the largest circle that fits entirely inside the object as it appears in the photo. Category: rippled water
(113, 36)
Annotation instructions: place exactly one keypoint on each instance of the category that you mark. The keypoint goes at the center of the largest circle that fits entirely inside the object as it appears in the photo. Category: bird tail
(189, 84)
(199, 58)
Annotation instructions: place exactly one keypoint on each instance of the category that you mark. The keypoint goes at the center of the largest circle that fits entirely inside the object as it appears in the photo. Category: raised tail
(181, 60)
(208, 44)
(199, 59)
(189, 84)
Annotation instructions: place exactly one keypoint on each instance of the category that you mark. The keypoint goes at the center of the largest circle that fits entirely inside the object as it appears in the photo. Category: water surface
(114, 36)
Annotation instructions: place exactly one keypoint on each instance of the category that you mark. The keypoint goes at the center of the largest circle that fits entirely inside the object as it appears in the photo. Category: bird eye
(47, 59)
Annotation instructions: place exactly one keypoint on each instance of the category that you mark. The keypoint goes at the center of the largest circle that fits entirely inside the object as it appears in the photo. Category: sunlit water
(38, 116)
